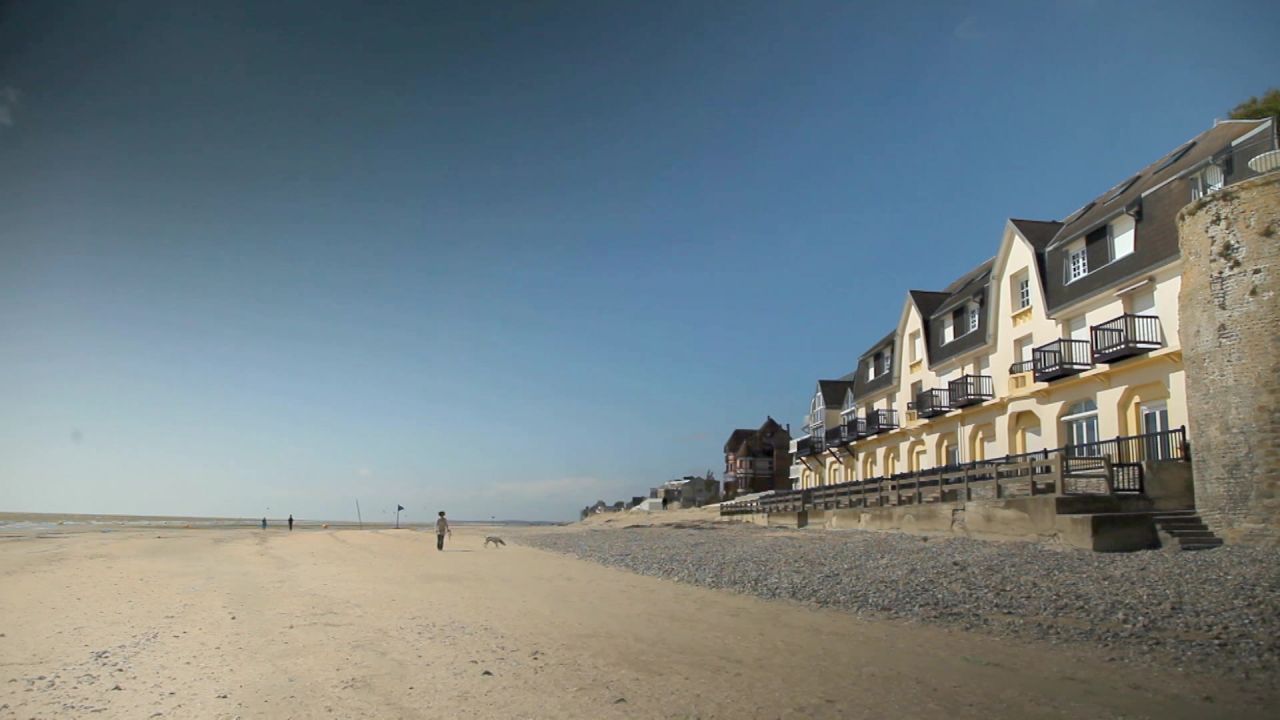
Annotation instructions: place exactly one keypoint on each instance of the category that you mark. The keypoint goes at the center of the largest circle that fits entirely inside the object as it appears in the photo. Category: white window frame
(971, 313)
(1122, 244)
(888, 361)
(1024, 292)
(1077, 262)
(1081, 428)
(948, 330)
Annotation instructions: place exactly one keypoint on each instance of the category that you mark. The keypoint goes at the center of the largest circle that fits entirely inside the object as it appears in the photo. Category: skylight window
(1119, 189)
(1174, 156)
(1077, 214)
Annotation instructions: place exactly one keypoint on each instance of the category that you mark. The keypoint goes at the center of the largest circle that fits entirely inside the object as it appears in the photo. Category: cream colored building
(1067, 338)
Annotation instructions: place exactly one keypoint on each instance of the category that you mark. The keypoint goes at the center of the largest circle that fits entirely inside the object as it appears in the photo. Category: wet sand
(241, 623)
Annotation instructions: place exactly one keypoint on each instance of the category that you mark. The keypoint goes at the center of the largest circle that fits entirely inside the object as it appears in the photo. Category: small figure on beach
(264, 523)
(442, 529)
(291, 522)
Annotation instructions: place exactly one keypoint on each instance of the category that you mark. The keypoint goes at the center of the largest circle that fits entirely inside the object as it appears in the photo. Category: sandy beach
(226, 623)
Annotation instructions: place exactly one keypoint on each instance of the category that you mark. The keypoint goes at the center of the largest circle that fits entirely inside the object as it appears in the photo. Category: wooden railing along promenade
(1104, 468)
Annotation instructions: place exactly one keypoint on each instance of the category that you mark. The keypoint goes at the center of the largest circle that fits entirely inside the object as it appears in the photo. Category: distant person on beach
(264, 523)
(442, 529)
(291, 522)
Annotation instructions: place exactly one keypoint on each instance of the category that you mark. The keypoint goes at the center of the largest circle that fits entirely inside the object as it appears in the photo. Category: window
(888, 360)
(1077, 262)
(1022, 348)
(973, 317)
(915, 346)
(948, 330)
(1024, 293)
(1206, 181)
(953, 454)
(1155, 424)
(1081, 426)
(1121, 231)
(917, 387)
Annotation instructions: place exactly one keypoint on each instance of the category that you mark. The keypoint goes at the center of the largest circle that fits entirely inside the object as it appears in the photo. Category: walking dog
(495, 540)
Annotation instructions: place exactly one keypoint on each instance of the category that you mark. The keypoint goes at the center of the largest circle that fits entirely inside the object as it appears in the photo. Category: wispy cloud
(574, 488)
(9, 101)
(364, 472)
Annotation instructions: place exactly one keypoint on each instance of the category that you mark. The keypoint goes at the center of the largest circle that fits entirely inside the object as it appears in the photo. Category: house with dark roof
(1066, 338)
(757, 459)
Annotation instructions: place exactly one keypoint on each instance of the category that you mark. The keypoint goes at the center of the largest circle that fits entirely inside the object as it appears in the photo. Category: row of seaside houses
(1066, 337)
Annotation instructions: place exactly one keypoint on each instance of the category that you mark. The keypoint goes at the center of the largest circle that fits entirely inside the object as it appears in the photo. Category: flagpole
(358, 514)
(397, 516)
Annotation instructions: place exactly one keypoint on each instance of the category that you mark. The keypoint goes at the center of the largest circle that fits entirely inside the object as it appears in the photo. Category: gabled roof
(1184, 157)
(927, 301)
(877, 345)
(1037, 232)
(965, 286)
(737, 437)
(833, 392)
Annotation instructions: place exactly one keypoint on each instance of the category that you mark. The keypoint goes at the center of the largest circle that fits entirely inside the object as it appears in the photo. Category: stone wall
(1230, 331)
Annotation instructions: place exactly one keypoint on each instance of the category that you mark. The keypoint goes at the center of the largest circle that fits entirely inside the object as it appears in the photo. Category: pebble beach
(1216, 610)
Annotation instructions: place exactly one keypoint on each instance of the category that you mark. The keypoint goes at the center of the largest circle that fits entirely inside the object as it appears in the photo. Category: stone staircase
(1186, 528)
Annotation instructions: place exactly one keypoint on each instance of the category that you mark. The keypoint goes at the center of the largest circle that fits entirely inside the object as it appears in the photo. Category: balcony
(804, 447)
(971, 389)
(878, 421)
(932, 403)
(1126, 336)
(835, 438)
(1061, 358)
(855, 428)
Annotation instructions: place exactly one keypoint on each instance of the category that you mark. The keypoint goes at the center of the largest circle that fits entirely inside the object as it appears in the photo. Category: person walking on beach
(442, 529)
(264, 523)
(291, 522)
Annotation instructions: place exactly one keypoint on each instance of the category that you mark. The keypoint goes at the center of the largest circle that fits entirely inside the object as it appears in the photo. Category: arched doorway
(1024, 433)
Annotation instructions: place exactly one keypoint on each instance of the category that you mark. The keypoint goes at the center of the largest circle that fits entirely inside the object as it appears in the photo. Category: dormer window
(1077, 261)
(973, 317)
(1206, 181)
(880, 363)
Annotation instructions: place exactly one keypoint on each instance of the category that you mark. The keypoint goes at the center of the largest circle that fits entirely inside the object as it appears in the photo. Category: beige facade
(1132, 293)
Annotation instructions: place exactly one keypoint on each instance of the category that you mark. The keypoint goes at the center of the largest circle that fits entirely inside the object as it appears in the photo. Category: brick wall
(1230, 330)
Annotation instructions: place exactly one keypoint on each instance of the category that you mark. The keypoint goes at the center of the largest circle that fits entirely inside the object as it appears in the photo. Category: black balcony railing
(835, 437)
(1025, 366)
(853, 429)
(879, 421)
(932, 403)
(971, 390)
(1126, 336)
(1061, 358)
(804, 447)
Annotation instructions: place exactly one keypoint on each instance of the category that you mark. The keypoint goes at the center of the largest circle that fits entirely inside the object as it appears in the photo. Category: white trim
(1135, 286)
(1266, 122)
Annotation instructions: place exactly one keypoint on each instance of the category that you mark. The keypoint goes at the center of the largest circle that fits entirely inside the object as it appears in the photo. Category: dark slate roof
(738, 437)
(833, 392)
(1109, 203)
(1037, 232)
(882, 342)
(926, 301)
(965, 286)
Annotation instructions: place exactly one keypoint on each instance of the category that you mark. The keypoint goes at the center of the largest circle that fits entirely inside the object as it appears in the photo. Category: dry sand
(356, 624)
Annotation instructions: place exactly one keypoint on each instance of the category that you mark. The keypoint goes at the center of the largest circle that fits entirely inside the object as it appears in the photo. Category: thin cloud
(9, 101)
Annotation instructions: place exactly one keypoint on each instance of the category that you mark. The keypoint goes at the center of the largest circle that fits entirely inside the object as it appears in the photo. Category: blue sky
(509, 258)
